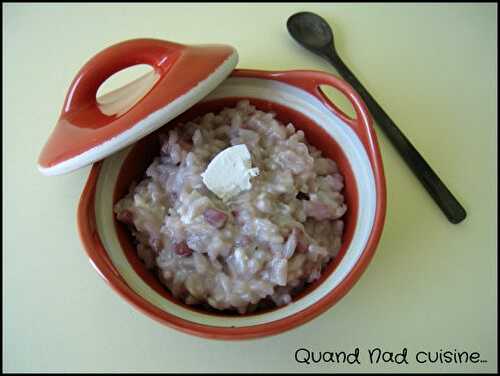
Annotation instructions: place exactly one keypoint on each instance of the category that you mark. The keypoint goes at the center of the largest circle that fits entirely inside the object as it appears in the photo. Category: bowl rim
(105, 268)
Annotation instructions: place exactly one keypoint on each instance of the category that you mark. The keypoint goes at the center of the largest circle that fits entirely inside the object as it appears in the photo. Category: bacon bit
(215, 217)
(302, 246)
(186, 145)
(182, 249)
(182, 292)
(126, 216)
(318, 210)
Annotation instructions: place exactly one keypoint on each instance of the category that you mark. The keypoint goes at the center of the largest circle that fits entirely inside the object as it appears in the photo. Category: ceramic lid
(90, 129)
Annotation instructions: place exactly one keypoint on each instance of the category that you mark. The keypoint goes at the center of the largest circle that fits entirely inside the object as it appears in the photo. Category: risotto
(258, 248)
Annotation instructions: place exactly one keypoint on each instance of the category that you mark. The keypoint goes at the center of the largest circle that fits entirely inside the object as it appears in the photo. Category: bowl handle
(159, 54)
(359, 108)
(311, 81)
(362, 123)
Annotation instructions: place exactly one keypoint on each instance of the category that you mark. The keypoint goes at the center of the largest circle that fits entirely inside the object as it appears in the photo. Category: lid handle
(159, 54)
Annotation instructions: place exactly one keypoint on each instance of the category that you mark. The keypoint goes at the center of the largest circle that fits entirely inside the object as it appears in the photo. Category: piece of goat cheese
(229, 172)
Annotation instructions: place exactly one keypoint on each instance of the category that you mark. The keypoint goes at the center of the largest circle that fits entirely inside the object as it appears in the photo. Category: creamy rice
(261, 246)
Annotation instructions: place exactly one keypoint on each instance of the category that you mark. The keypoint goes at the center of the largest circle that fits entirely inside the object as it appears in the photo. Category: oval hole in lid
(120, 92)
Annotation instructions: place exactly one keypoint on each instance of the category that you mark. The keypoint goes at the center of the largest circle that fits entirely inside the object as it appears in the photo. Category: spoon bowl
(312, 32)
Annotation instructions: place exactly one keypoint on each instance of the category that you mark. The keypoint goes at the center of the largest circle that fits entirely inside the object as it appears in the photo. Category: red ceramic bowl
(295, 97)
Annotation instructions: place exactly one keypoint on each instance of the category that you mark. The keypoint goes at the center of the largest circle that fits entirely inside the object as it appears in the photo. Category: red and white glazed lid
(90, 129)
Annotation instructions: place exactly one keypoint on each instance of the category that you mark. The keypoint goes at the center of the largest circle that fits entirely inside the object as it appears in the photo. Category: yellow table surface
(431, 284)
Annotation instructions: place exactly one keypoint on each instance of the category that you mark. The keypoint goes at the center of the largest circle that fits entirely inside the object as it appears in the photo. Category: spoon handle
(429, 179)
